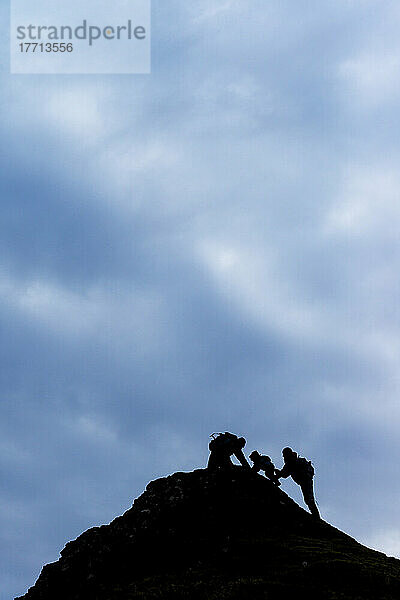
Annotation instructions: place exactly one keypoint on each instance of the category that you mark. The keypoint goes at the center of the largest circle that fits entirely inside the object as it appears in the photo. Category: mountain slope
(217, 536)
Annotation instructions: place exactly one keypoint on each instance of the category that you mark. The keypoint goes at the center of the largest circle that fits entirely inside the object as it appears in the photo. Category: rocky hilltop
(213, 536)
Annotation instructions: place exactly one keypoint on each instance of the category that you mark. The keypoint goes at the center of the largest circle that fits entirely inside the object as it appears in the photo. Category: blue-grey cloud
(210, 247)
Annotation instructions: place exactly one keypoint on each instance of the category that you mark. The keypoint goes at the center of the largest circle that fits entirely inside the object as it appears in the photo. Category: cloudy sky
(210, 247)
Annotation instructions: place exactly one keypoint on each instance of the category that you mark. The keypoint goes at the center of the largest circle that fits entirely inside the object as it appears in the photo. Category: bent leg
(213, 462)
(219, 460)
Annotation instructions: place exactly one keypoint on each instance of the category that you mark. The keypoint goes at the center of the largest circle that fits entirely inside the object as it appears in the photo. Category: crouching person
(264, 463)
(222, 447)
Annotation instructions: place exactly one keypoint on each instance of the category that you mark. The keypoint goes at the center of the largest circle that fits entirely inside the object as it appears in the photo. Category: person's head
(288, 453)
(254, 455)
(241, 442)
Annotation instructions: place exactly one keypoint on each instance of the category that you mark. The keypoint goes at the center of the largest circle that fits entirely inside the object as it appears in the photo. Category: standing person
(264, 463)
(222, 447)
(302, 472)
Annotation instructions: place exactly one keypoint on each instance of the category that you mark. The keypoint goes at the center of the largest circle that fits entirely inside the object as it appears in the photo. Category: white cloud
(122, 163)
(93, 429)
(129, 319)
(58, 308)
(368, 203)
(211, 10)
(371, 79)
(78, 114)
(74, 113)
(252, 281)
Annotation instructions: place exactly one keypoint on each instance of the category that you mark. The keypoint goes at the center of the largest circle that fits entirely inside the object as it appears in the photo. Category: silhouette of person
(264, 463)
(222, 447)
(302, 472)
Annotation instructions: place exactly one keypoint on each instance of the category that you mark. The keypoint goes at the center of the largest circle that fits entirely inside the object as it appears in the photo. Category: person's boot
(315, 512)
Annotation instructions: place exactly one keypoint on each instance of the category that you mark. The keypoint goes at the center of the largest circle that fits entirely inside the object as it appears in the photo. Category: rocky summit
(216, 536)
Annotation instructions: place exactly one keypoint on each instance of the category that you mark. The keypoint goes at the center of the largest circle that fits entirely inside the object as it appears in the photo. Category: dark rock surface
(216, 536)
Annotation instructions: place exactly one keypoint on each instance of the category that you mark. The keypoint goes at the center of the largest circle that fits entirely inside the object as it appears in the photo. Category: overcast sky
(214, 246)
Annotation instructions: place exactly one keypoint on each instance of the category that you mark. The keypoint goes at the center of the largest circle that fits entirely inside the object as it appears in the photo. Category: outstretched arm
(284, 472)
(242, 459)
